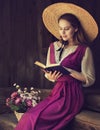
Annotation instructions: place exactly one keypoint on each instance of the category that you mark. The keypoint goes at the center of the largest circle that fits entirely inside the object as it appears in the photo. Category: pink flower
(18, 100)
(14, 94)
(22, 100)
(29, 102)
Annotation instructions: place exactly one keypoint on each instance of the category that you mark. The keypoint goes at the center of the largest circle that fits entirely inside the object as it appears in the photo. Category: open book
(53, 67)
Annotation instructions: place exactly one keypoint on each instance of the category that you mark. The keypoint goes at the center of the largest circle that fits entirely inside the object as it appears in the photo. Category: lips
(64, 36)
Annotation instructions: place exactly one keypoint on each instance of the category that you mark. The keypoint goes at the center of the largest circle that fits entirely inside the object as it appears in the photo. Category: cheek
(71, 33)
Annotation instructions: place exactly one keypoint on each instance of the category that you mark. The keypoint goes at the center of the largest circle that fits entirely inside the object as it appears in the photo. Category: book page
(40, 64)
(43, 66)
(52, 65)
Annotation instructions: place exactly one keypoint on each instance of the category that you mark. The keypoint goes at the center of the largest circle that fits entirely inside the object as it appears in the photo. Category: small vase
(18, 115)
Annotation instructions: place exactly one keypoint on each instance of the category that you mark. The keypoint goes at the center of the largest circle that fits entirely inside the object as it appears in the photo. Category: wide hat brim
(53, 12)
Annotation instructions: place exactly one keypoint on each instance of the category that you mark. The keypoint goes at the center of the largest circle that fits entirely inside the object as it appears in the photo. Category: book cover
(53, 67)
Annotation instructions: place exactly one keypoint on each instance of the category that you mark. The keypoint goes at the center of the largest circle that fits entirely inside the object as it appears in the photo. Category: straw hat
(54, 11)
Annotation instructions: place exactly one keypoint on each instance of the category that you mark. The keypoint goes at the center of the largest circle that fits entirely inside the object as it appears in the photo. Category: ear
(76, 29)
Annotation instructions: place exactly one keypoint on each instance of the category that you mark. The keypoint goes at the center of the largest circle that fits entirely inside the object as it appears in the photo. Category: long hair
(80, 35)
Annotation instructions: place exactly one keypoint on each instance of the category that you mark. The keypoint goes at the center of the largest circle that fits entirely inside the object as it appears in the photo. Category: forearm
(78, 75)
(86, 79)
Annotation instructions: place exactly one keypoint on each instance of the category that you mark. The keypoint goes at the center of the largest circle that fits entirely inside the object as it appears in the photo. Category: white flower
(34, 103)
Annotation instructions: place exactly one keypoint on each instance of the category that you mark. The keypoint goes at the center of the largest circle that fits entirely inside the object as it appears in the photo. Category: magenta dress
(64, 102)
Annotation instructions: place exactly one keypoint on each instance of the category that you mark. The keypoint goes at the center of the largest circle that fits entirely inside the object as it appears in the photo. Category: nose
(63, 31)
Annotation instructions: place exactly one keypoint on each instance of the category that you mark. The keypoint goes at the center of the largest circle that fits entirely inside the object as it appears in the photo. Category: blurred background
(24, 39)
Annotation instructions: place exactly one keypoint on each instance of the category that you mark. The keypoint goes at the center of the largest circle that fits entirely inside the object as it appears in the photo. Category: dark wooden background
(24, 39)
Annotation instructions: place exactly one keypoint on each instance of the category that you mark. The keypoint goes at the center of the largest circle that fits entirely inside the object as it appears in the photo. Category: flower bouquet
(22, 100)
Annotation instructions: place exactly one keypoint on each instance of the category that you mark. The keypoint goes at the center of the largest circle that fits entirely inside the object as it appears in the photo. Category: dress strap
(52, 54)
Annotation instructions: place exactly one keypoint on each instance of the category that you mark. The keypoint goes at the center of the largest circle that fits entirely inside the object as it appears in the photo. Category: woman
(72, 52)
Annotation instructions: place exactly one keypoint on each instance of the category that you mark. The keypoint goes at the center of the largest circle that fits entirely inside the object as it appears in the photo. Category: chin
(65, 39)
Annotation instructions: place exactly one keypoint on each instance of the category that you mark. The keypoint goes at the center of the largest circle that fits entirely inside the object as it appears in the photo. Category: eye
(60, 28)
(66, 28)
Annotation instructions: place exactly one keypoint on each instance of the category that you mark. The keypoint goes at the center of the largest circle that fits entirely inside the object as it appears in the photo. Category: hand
(53, 76)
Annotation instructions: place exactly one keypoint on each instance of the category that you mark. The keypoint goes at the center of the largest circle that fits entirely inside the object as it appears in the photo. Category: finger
(58, 73)
(54, 73)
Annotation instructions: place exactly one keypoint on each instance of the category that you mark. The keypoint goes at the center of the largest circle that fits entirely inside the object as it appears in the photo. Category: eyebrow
(65, 27)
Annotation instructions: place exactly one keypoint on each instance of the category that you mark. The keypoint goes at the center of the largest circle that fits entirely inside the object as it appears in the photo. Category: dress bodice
(73, 60)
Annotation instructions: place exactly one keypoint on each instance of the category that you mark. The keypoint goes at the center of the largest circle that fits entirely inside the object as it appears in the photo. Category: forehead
(64, 23)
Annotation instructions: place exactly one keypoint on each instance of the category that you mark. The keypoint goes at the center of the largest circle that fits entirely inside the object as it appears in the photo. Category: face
(66, 30)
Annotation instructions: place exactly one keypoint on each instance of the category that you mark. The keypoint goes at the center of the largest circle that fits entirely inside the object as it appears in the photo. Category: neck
(72, 43)
(65, 42)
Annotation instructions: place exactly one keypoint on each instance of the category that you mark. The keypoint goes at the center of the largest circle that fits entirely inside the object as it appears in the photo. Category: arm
(87, 75)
